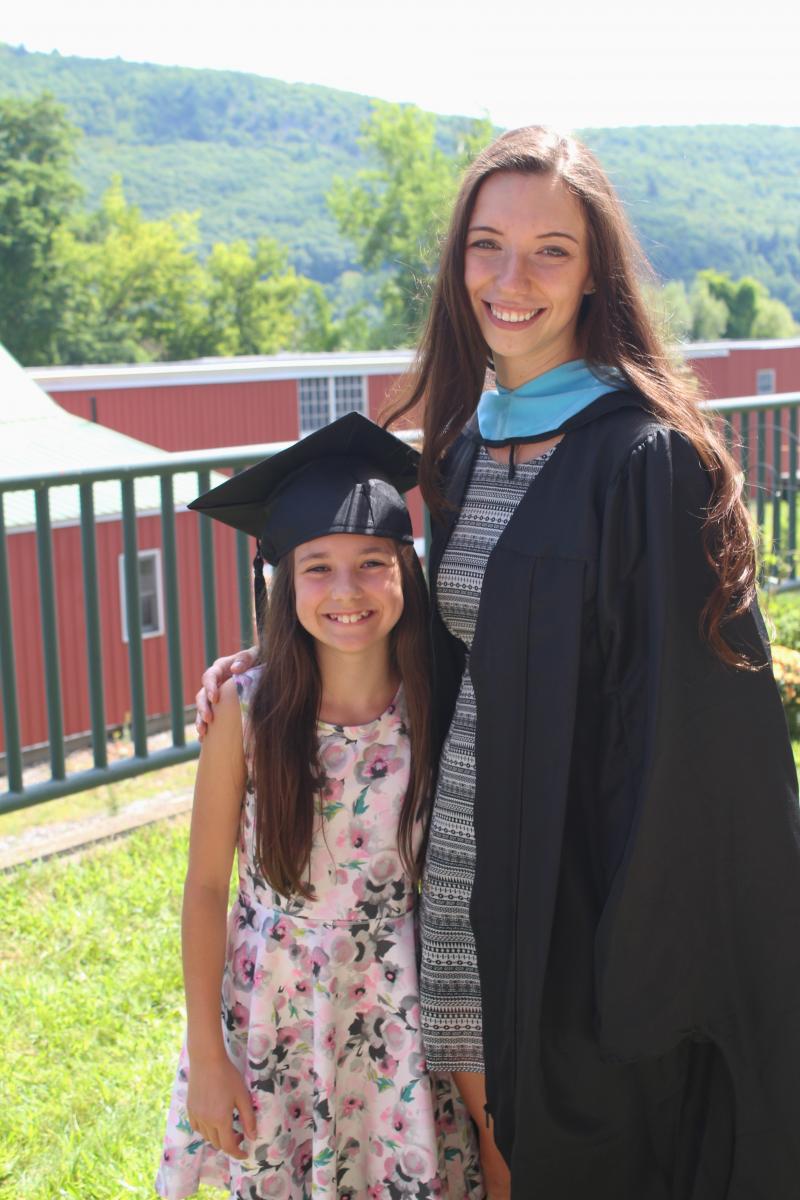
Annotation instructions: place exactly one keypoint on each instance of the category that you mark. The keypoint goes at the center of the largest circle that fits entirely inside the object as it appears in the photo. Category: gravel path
(65, 837)
(44, 840)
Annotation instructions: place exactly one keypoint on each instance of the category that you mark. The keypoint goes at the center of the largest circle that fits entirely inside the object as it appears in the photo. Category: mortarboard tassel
(259, 588)
(512, 466)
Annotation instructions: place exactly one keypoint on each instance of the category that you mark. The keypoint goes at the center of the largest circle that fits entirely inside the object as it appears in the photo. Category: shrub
(786, 667)
(783, 619)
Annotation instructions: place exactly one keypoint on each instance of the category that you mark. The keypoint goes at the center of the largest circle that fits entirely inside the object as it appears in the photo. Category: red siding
(197, 416)
(194, 417)
(381, 390)
(735, 373)
(71, 626)
(200, 416)
(714, 376)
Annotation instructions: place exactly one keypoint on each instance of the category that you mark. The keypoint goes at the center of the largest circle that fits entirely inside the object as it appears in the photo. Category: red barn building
(756, 368)
(237, 401)
(38, 437)
(227, 401)
(231, 401)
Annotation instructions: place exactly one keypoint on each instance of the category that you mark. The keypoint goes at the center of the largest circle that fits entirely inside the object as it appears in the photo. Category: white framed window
(323, 399)
(765, 381)
(151, 594)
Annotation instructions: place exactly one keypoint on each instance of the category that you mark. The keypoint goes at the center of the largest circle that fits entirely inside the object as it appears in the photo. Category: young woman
(611, 897)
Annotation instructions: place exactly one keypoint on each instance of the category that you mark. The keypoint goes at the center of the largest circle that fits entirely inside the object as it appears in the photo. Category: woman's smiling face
(526, 271)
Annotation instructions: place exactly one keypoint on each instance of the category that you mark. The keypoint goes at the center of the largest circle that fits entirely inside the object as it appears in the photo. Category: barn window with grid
(151, 594)
(348, 395)
(324, 399)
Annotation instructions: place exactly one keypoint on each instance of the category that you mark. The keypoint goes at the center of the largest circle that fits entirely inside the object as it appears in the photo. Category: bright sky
(572, 64)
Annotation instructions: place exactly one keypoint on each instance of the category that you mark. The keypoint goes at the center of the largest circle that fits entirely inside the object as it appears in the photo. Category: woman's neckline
(519, 462)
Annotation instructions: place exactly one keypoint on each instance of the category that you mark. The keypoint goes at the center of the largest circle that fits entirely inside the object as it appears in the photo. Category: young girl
(312, 1080)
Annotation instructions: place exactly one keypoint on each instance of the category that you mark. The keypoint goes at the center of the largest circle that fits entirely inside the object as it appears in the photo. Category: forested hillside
(720, 196)
(257, 156)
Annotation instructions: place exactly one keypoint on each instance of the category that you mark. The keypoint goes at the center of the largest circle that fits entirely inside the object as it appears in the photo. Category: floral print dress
(320, 1009)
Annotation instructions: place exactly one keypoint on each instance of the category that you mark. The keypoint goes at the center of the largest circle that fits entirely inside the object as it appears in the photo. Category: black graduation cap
(347, 477)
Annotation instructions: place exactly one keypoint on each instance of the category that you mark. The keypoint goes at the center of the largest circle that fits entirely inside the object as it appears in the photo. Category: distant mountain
(256, 155)
(721, 196)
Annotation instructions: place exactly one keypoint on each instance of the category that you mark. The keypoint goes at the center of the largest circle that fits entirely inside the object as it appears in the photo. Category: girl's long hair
(282, 728)
(615, 330)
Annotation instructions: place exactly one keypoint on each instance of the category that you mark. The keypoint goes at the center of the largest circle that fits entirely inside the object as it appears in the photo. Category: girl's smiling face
(348, 590)
(526, 271)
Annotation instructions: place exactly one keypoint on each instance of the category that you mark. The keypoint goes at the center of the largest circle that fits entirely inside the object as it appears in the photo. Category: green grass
(91, 1018)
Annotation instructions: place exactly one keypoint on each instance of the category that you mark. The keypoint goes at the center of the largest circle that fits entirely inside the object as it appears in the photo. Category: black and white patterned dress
(449, 986)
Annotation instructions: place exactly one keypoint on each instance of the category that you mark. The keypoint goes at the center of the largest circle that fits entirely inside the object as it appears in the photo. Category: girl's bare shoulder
(226, 728)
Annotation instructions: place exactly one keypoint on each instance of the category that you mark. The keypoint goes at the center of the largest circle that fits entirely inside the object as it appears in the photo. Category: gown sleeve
(700, 933)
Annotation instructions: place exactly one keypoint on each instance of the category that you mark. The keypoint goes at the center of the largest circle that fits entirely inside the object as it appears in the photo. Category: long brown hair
(282, 725)
(614, 330)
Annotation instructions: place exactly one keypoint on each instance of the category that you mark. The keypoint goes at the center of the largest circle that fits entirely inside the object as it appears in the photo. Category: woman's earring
(590, 291)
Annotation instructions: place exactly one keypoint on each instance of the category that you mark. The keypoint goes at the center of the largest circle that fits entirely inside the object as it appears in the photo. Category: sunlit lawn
(91, 1014)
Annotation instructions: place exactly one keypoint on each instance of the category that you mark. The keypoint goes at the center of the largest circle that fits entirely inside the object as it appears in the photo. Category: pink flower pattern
(320, 1010)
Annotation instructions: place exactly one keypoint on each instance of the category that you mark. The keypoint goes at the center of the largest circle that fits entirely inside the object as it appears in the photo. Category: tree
(111, 286)
(742, 306)
(137, 289)
(37, 196)
(709, 314)
(773, 320)
(395, 212)
(139, 293)
(322, 331)
(258, 304)
(751, 309)
(253, 299)
(717, 306)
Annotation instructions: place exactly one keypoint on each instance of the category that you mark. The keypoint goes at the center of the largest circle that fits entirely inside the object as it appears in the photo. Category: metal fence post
(94, 650)
(207, 574)
(8, 673)
(172, 609)
(133, 619)
(47, 604)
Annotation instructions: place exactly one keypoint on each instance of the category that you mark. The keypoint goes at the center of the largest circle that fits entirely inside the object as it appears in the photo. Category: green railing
(761, 430)
(163, 471)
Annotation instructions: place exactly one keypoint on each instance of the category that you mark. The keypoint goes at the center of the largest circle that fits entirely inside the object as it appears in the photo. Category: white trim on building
(256, 369)
(723, 349)
(264, 368)
(151, 594)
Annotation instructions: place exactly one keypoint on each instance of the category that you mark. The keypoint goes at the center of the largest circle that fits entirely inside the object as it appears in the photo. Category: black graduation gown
(636, 904)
